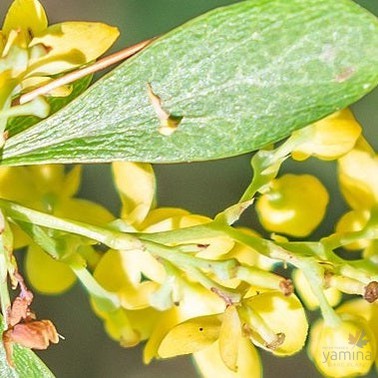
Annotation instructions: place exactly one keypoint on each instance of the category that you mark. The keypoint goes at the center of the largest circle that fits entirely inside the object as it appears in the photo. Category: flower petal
(72, 44)
(27, 15)
(190, 336)
(360, 307)
(359, 186)
(47, 275)
(283, 315)
(195, 301)
(295, 205)
(229, 338)
(83, 211)
(2, 42)
(164, 323)
(47, 178)
(117, 325)
(121, 272)
(136, 298)
(329, 138)
(110, 272)
(163, 219)
(16, 184)
(136, 185)
(211, 365)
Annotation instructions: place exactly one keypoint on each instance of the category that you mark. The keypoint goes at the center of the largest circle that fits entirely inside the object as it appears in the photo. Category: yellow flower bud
(210, 363)
(121, 272)
(360, 307)
(329, 138)
(294, 205)
(353, 221)
(343, 351)
(47, 275)
(359, 185)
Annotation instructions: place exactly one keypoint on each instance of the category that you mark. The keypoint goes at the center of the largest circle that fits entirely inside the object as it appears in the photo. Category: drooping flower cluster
(195, 285)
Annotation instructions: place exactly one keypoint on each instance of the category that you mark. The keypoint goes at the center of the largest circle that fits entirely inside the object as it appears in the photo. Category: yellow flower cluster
(210, 296)
(296, 204)
(31, 52)
(50, 189)
(359, 187)
(176, 314)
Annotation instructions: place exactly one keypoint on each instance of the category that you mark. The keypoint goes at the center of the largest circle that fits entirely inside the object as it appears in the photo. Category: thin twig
(95, 67)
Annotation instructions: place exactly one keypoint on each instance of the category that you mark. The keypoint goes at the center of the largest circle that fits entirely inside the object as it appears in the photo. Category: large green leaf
(27, 364)
(240, 76)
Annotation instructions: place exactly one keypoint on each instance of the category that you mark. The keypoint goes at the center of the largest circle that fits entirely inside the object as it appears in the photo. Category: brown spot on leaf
(168, 122)
(345, 74)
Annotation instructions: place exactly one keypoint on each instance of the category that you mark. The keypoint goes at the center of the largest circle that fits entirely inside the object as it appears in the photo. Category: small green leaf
(237, 78)
(27, 364)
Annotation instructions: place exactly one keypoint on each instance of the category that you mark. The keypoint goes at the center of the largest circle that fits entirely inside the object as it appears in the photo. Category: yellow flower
(368, 311)
(31, 52)
(358, 175)
(127, 327)
(210, 364)
(143, 284)
(136, 186)
(193, 301)
(276, 323)
(308, 298)
(53, 49)
(346, 350)
(329, 138)
(353, 221)
(132, 275)
(50, 189)
(294, 205)
(223, 342)
(217, 344)
(358, 171)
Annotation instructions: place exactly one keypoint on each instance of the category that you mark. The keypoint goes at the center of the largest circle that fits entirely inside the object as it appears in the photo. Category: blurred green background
(204, 188)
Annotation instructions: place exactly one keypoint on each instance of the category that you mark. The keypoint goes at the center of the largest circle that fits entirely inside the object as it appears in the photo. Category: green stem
(111, 238)
(225, 268)
(315, 277)
(369, 232)
(192, 266)
(266, 165)
(4, 293)
(6, 267)
(109, 301)
(346, 284)
(261, 278)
